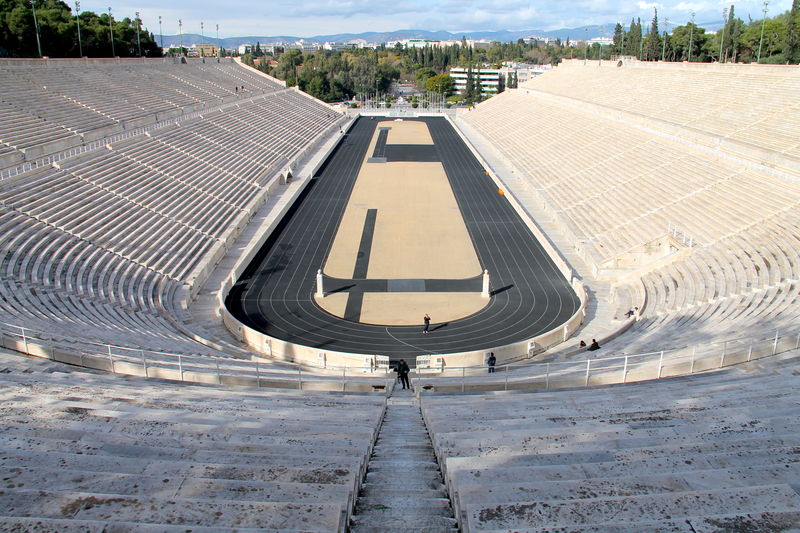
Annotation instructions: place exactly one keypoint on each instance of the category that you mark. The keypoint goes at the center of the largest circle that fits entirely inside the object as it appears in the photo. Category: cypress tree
(792, 47)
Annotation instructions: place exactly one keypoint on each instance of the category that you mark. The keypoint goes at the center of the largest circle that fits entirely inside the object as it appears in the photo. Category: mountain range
(573, 34)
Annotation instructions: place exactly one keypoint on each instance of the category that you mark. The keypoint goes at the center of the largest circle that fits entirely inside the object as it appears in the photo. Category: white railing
(606, 370)
(197, 368)
(378, 376)
(680, 235)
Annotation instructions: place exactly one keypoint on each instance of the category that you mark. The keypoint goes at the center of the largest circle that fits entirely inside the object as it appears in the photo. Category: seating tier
(665, 456)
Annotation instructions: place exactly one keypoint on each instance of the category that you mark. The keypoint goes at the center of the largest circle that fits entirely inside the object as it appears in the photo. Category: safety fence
(379, 377)
(605, 370)
(196, 368)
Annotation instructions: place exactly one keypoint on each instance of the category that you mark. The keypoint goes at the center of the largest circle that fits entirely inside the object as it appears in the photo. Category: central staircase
(403, 490)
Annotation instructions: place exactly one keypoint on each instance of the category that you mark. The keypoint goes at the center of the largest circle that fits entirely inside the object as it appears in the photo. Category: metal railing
(606, 370)
(195, 368)
(352, 378)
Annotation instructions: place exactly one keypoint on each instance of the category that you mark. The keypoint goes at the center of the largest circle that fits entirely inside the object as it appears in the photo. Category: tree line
(773, 40)
(340, 75)
(58, 32)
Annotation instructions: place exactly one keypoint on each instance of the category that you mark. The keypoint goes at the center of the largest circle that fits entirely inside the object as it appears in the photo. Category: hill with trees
(58, 32)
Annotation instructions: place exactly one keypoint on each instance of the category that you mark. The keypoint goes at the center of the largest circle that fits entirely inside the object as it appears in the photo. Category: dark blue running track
(529, 297)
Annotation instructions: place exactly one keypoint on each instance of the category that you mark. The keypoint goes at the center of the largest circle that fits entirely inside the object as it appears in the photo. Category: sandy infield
(419, 234)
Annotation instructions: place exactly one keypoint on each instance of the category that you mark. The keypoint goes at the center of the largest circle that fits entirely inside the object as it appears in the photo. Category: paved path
(403, 490)
(529, 294)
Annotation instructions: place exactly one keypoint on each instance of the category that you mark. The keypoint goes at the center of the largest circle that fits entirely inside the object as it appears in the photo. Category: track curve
(274, 294)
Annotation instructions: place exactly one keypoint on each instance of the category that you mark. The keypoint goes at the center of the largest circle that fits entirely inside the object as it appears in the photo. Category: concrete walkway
(403, 490)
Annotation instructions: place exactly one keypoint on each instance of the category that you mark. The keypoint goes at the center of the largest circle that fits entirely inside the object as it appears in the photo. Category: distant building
(523, 71)
(488, 79)
(246, 49)
(337, 46)
(602, 41)
(422, 43)
(304, 46)
(540, 40)
(205, 50)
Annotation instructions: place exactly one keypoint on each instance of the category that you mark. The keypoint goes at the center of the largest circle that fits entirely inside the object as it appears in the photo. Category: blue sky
(319, 17)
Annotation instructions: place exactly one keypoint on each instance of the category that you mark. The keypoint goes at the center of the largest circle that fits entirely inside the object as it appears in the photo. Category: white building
(487, 78)
(337, 46)
(304, 45)
(524, 71)
(602, 41)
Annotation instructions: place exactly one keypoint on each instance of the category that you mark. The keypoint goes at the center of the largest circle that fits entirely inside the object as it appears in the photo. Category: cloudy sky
(305, 18)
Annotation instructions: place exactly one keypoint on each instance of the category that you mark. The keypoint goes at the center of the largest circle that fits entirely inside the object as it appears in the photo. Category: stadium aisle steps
(403, 490)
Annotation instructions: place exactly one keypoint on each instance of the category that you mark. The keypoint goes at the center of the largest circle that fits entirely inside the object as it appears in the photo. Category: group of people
(592, 347)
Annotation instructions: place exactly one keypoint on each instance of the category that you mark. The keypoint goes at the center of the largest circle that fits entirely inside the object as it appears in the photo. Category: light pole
(138, 40)
(761, 40)
(664, 43)
(111, 31)
(160, 34)
(219, 48)
(180, 30)
(622, 45)
(202, 38)
(722, 37)
(691, 36)
(78, 21)
(586, 44)
(36, 27)
(600, 47)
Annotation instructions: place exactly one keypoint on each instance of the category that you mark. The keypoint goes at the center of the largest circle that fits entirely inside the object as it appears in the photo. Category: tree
(652, 43)
(422, 75)
(730, 36)
(792, 46)
(688, 37)
(441, 84)
(619, 38)
(58, 32)
(773, 43)
(469, 89)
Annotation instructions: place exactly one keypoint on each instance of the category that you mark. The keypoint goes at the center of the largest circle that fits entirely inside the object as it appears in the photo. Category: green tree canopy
(441, 84)
(58, 32)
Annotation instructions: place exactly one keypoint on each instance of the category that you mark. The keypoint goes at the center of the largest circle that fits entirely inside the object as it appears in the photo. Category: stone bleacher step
(177, 486)
(669, 464)
(394, 465)
(38, 524)
(784, 521)
(406, 523)
(333, 472)
(637, 484)
(397, 479)
(96, 506)
(160, 448)
(633, 509)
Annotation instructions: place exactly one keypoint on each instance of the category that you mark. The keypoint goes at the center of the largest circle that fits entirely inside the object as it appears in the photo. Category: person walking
(491, 361)
(427, 320)
(402, 373)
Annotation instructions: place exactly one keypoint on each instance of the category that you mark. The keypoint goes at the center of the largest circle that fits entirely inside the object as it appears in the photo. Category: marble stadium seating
(614, 186)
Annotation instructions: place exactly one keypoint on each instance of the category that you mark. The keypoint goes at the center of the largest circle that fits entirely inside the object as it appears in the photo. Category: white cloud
(649, 5)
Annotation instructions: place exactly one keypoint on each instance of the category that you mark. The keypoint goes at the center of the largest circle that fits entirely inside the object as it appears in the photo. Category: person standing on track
(427, 320)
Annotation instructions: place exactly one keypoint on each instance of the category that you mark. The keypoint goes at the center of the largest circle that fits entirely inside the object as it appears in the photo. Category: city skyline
(238, 18)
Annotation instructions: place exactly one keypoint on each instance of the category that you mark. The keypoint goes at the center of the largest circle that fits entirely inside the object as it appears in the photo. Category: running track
(529, 297)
